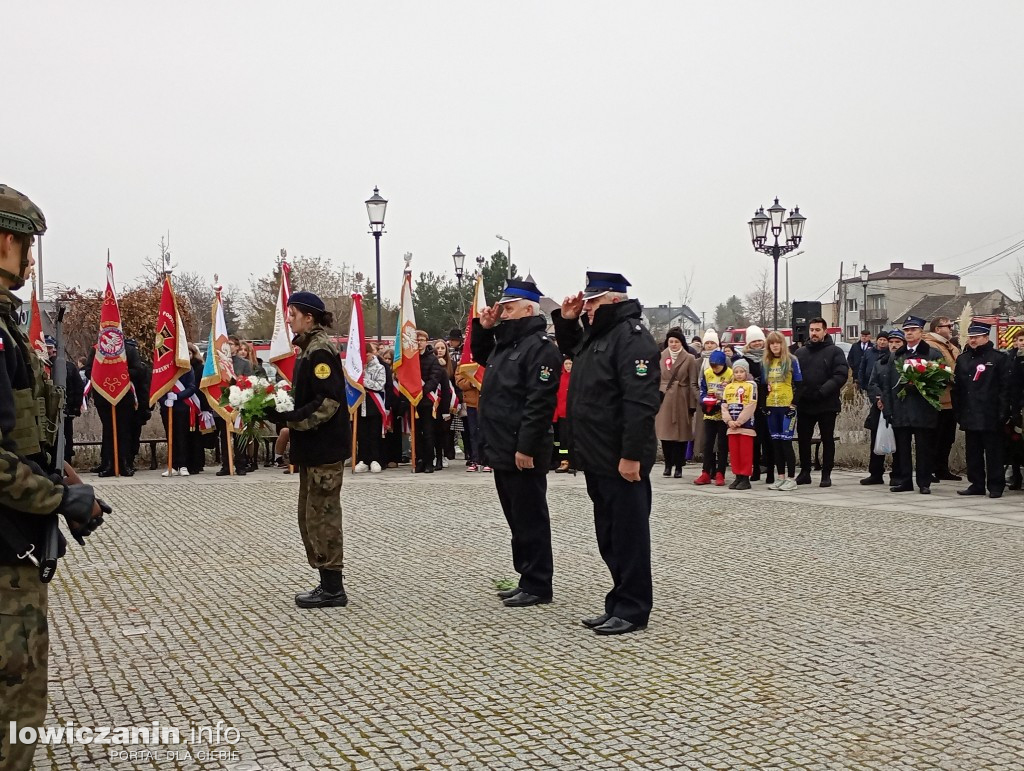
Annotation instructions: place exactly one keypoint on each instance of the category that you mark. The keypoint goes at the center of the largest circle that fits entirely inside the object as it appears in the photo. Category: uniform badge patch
(545, 374)
(322, 371)
(641, 368)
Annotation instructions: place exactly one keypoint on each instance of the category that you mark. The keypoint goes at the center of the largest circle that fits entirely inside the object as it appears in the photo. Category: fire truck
(1006, 328)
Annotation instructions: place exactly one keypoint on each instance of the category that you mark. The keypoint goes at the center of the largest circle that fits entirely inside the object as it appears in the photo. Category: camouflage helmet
(18, 214)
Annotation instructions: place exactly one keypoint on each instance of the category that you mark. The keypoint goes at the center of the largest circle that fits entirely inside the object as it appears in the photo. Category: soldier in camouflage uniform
(30, 498)
(318, 429)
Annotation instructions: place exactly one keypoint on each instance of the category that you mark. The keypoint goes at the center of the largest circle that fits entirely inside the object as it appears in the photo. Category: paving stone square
(839, 628)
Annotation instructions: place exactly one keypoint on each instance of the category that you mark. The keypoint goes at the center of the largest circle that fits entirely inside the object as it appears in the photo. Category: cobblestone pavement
(813, 630)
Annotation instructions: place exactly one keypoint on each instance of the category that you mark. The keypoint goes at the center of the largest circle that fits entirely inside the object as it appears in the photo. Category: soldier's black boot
(329, 594)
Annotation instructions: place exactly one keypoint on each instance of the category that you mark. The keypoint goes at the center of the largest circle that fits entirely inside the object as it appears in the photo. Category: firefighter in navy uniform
(30, 498)
(612, 403)
(517, 402)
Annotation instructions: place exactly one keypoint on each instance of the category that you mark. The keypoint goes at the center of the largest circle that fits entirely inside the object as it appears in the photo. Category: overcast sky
(636, 137)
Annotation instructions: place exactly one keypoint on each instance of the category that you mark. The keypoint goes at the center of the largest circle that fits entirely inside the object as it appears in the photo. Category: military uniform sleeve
(638, 384)
(328, 385)
(542, 379)
(481, 342)
(568, 333)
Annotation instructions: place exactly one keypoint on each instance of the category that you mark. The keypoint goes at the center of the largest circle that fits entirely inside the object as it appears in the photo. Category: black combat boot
(329, 594)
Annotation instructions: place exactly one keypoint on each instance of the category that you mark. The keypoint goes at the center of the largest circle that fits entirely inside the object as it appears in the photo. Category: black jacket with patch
(982, 382)
(519, 392)
(614, 392)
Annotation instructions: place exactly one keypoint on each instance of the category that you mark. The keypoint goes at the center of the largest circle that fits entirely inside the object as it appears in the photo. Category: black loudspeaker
(803, 312)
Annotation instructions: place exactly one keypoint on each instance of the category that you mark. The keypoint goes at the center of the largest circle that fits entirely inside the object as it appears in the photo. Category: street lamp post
(787, 258)
(864, 276)
(509, 244)
(460, 260)
(375, 208)
(794, 228)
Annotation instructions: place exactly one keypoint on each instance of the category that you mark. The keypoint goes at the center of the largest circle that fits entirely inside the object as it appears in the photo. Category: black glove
(77, 505)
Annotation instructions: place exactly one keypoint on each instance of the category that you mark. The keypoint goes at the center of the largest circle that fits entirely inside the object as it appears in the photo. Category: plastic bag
(885, 439)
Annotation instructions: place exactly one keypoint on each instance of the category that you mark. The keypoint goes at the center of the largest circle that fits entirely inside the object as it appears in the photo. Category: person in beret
(318, 428)
(612, 403)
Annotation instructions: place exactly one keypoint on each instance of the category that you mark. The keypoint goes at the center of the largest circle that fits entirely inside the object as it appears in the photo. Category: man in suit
(856, 357)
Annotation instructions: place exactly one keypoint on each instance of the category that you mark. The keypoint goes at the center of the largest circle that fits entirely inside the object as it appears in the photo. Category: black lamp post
(864, 275)
(460, 260)
(375, 207)
(794, 228)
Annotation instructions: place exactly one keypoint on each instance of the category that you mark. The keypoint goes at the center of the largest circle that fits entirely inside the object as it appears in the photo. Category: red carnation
(244, 382)
(286, 387)
(920, 368)
(269, 389)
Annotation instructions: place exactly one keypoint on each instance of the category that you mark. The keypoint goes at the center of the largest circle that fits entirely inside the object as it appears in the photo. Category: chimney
(929, 267)
(895, 265)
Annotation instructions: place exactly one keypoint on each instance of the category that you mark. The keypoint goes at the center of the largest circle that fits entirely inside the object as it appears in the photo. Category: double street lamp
(794, 230)
(375, 208)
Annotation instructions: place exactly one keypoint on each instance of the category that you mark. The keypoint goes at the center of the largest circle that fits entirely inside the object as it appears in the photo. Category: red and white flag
(218, 370)
(170, 349)
(406, 365)
(35, 331)
(110, 367)
(282, 352)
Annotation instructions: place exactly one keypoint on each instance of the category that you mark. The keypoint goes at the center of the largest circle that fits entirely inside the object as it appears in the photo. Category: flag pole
(170, 441)
(231, 446)
(355, 445)
(113, 417)
(412, 436)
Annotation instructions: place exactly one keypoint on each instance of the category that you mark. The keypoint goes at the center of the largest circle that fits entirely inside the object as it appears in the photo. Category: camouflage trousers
(320, 515)
(24, 644)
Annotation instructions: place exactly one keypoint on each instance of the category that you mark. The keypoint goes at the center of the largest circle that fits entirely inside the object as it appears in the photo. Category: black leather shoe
(506, 593)
(872, 481)
(223, 472)
(995, 495)
(901, 489)
(596, 621)
(743, 483)
(803, 478)
(679, 472)
(970, 491)
(438, 466)
(329, 594)
(107, 472)
(926, 490)
(428, 470)
(1015, 484)
(947, 476)
(525, 599)
(96, 469)
(667, 472)
(734, 483)
(616, 625)
(825, 481)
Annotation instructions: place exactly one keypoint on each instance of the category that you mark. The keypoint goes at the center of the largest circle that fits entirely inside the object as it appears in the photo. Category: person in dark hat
(912, 418)
(612, 403)
(522, 374)
(982, 403)
(886, 346)
(318, 430)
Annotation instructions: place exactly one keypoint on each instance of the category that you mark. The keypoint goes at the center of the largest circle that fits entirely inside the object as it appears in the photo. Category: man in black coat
(881, 356)
(982, 401)
(912, 418)
(140, 372)
(517, 402)
(868, 361)
(432, 375)
(858, 351)
(612, 402)
(825, 372)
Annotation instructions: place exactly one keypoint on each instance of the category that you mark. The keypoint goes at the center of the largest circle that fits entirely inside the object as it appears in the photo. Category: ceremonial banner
(218, 371)
(282, 352)
(466, 364)
(170, 350)
(355, 392)
(406, 365)
(110, 367)
(35, 331)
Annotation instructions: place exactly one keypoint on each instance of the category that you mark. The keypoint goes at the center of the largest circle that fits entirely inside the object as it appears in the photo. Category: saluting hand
(489, 316)
(629, 470)
(572, 306)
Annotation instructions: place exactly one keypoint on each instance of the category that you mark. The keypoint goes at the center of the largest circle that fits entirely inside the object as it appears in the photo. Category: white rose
(235, 396)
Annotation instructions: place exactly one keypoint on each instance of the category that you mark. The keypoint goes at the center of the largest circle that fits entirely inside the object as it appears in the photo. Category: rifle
(59, 374)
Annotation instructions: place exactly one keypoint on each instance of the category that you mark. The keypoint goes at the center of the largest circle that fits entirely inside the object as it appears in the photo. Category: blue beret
(307, 301)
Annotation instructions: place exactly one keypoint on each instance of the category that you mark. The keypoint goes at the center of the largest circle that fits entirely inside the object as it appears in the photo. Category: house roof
(664, 314)
(896, 271)
(952, 306)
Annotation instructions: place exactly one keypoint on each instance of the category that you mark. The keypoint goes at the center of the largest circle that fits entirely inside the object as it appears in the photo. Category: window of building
(851, 305)
(852, 331)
